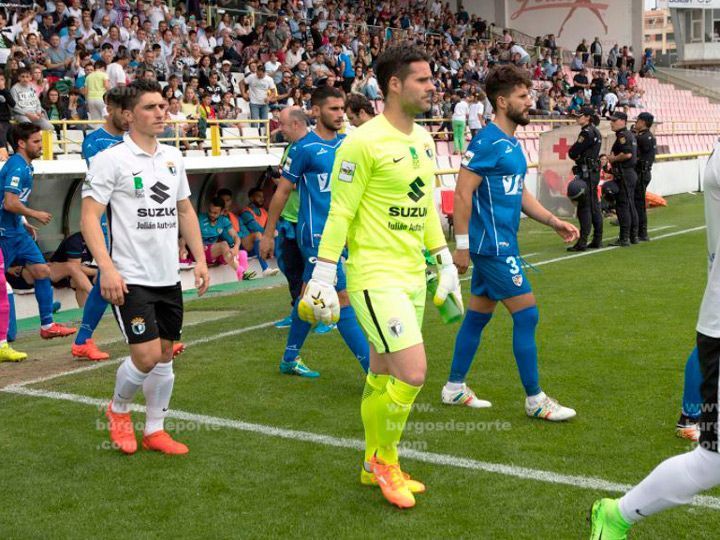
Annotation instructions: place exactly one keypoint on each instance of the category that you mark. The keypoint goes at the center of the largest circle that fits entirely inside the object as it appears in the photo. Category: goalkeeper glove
(448, 280)
(320, 301)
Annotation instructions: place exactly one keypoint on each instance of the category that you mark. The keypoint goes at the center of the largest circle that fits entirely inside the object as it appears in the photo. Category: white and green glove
(320, 301)
(448, 279)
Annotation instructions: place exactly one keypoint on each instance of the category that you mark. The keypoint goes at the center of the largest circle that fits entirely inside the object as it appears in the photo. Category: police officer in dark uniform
(585, 153)
(646, 149)
(623, 158)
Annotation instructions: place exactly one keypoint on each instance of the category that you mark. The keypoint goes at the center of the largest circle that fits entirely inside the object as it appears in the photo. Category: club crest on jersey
(171, 168)
(137, 325)
(428, 151)
(347, 171)
(139, 191)
(518, 280)
(395, 326)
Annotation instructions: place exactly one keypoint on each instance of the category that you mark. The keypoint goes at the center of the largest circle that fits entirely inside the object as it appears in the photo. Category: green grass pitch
(615, 330)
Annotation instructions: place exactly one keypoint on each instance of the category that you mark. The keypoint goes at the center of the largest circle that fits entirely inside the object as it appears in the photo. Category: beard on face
(516, 115)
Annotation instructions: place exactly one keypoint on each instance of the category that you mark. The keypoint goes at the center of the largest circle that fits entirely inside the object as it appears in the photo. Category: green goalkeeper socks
(374, 384)
(391, 409)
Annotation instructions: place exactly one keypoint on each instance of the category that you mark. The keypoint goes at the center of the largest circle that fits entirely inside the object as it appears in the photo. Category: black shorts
(150, 313)
(709, 354)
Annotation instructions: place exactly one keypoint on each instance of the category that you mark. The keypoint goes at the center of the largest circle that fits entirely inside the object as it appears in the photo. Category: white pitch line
(603, 250)
(524, 473)
(98, 365)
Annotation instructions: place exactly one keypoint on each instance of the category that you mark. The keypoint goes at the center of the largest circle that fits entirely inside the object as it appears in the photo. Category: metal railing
(217, 138)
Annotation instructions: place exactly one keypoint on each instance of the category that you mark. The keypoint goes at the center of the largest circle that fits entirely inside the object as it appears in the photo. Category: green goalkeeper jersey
(382, 204)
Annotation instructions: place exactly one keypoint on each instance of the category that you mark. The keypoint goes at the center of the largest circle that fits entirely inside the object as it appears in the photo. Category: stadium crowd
(222, 64)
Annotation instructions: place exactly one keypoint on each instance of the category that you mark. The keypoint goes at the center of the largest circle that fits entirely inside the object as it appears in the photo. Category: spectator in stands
(256, 89)
(27, 105)
(459, 121)
(190, 103)
(39, 82)
(372, 88)
(358, 110)
(6, 106)
(58, 60)
(254, 217)
(117, 70)
(475, 113)
(596, 50)
(576, 64)
(610, 101)
(582, 48)
(96, 84)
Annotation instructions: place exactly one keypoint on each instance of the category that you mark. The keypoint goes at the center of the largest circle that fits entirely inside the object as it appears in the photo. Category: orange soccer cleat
(121, 431)
(57, 330)
(392, 483)
(160, 441)
(89, 351)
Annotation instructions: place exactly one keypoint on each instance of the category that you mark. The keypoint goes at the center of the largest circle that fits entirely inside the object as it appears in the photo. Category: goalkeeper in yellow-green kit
(383, 208)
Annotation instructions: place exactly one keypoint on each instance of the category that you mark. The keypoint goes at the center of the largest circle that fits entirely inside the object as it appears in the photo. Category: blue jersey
(308, 165)
(213, 232)
(97, 141)
(94, 143)
(16, 177)
(497, 202)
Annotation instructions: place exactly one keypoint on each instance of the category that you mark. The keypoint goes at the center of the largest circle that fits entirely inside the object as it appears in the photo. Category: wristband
(462, 241)
(325, 273)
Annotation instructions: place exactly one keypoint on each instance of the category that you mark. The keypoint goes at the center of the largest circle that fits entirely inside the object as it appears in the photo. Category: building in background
(696, 26)
(658, 33)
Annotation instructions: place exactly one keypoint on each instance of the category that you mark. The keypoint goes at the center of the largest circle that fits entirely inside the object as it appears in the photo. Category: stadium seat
(447, 205)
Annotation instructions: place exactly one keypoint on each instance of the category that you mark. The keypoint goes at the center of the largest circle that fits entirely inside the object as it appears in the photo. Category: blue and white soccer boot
(544, 407)
(461, 394)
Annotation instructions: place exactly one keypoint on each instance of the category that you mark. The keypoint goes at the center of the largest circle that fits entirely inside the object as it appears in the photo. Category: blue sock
(44, 297)
(692, 398)
(525, 348)
(351, 332)
(12, 323)
(256, 252)
(93, 311)
(299, 331)
(467, 343)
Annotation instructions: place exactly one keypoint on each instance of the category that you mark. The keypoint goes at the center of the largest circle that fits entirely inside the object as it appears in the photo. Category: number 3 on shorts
(514, 268)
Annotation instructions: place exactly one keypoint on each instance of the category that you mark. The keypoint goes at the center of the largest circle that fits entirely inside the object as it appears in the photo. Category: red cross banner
(555, 166)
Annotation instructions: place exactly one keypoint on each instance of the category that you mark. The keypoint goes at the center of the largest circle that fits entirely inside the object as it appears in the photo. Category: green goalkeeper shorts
(392, 318)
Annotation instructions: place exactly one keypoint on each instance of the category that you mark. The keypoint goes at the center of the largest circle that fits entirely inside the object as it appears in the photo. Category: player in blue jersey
(109, 134)
(16, 242)
(489, 198)
(221, 242)
(308, 166)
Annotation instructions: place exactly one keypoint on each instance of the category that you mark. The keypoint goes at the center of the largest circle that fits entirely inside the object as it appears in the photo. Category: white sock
(674, 482)
(158, 389)
(454, 386)
(128, 381)
(3, 342)
(46, 326)
(536, 399)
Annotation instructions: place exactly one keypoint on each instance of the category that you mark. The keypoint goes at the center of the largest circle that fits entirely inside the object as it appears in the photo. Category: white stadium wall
(613, 21)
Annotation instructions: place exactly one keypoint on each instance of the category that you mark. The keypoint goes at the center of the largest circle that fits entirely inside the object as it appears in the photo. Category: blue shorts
(498, 278)
(310, 257)
(21, 249)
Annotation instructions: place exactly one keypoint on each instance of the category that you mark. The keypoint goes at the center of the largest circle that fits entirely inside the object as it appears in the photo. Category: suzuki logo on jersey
(415, 192)
(323, 181)
(160, 192)
(512, 183)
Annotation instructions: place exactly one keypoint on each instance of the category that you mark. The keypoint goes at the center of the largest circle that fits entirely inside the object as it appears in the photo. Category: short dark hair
(115, 96)
(357, 103)
(136, 89)
(21, 132)
(23, 71)
(395, 62)
(100, 64)
(502, 80)
(322, 94)
(217, 201)
(254, 190)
